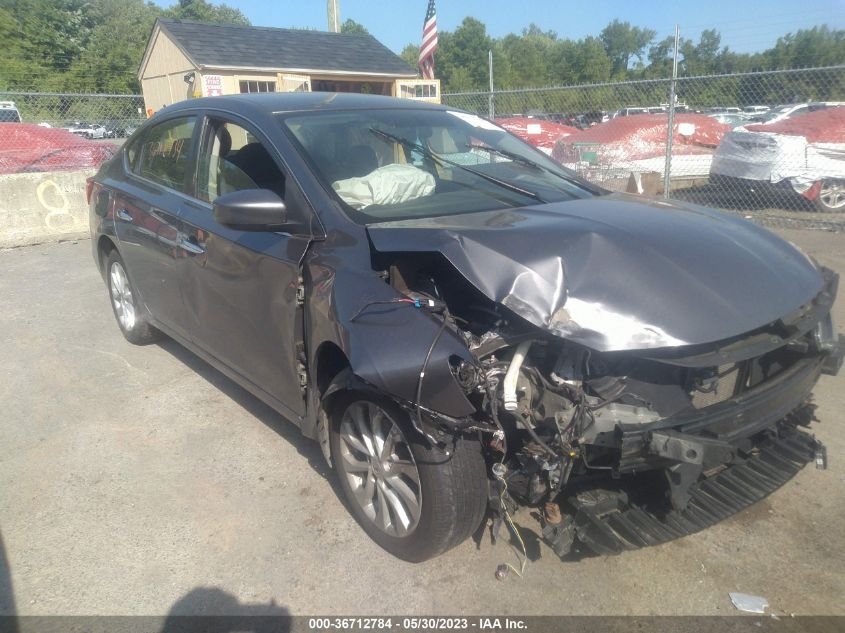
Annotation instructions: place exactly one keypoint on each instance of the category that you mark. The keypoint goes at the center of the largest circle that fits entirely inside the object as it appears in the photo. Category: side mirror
(251, 210)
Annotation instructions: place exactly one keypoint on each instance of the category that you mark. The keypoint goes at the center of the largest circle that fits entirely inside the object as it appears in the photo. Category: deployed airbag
(391, 184)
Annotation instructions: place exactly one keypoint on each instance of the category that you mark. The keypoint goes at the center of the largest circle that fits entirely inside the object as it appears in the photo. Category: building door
(294, 83)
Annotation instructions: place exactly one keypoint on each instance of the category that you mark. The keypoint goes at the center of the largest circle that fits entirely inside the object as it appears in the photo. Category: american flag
(429, 42)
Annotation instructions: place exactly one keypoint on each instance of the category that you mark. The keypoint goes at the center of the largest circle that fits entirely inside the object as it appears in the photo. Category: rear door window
(164, 153)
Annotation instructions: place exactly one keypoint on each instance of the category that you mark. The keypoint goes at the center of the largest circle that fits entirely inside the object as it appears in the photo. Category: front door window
(233, 160)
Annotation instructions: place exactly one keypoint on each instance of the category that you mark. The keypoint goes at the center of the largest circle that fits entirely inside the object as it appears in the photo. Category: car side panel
(148, 231)
(240, 292)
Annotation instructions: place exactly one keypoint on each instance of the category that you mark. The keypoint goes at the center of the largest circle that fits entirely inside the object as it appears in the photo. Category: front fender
(386, 344)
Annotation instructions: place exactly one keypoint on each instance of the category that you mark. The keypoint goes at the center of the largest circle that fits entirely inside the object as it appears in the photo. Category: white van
(9, 113)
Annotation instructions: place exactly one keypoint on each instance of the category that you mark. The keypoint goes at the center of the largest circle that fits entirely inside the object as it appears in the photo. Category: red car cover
(822, 126)
(641, 136)
(25, 147)
(537, 132)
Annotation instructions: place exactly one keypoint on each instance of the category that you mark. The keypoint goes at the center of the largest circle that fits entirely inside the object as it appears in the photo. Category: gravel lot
(138, 480)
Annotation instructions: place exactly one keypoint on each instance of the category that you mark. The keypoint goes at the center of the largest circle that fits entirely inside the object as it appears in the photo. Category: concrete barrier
(43, 207)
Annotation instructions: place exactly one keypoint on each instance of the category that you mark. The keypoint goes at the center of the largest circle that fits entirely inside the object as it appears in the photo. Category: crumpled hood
(615, 273)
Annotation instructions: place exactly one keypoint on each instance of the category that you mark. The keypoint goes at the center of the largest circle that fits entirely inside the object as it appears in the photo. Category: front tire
(415, 501)
(831, 198)
(125, 305)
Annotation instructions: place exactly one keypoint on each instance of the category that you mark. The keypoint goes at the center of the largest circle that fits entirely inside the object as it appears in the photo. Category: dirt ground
(138, 480)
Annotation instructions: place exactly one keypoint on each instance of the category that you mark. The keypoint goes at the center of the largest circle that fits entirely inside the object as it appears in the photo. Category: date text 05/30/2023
(417, 624)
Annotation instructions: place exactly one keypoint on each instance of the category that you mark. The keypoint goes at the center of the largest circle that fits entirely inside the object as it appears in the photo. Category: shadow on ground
(773, 199)
(267, 415)
(212, 610)
(7, 595)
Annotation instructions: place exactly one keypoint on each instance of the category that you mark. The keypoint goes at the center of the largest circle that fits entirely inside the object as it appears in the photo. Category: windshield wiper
(445, 161)
(510, 155)
(522, 161)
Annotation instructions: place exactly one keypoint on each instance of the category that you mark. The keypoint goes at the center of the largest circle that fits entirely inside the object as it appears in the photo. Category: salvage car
(539, 133)
(462, 324)
(28, 148)
(88, 130)
(802, 155)
(637, 145)
(9, 112)
(789, 111)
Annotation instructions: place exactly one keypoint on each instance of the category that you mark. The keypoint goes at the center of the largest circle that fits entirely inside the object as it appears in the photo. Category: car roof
(279, 102)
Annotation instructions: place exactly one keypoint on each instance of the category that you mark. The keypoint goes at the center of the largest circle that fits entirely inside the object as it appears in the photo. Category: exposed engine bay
(620, 448)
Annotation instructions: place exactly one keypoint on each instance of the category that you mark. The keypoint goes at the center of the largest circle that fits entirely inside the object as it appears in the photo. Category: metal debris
(502, 572)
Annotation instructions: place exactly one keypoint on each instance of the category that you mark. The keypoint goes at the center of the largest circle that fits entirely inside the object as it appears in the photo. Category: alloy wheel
(121, 296)
(832, 194)
(376, 460)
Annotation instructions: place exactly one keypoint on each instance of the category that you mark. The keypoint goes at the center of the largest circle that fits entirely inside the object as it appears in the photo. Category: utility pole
(667, 170)
(491, 108)
(334, 15)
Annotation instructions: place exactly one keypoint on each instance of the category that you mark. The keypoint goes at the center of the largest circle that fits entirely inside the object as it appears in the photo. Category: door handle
(124, 215)
(191, 247)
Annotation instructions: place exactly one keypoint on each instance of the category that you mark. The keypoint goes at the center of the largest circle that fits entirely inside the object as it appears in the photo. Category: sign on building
(213, 85)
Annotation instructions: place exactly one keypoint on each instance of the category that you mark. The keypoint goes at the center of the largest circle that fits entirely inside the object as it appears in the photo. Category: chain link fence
(767, 145)
(64, 131)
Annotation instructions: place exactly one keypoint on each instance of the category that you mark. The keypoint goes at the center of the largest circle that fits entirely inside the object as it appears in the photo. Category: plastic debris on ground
(748, 603)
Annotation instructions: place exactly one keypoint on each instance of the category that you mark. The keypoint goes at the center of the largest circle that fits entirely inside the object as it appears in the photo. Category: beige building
(187, 59)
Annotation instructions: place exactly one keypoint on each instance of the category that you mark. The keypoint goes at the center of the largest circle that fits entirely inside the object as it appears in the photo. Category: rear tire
(831, 198)
(415, 501)
(125, 304)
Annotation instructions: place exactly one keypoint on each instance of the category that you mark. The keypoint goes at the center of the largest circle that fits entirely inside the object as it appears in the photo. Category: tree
(104, 67)
(351, 26)
(461, 57)
(97, 45)
(702, 58)
(622, 42)
(85, 45)
(660, 59)
(202, 11)
(818, 46)
(526, 58)
(411, 54)
(41, 39)
(593, 64)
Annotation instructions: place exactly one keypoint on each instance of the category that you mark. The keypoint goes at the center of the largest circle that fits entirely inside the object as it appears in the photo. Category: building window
(257, 86)
(419, 91)
(426, 91)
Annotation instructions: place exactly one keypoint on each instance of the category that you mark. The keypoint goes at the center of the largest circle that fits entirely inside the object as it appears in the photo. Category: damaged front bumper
(593, 420)
(713, 463)
(607, 520)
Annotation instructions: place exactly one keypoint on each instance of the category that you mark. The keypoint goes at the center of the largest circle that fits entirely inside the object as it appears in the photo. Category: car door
(146, 217)
(241, 288)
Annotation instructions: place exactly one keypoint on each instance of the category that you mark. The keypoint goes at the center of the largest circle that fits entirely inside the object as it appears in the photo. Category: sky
(746, 25)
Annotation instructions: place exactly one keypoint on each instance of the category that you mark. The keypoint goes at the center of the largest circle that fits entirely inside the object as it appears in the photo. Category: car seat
(361, 161)
(255, 161)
